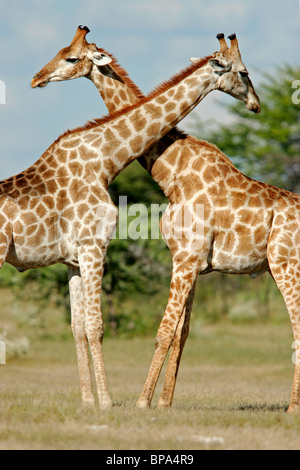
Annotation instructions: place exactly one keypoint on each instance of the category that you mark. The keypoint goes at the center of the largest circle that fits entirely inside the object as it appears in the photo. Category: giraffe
(59, 210)
(242, 198)
(83, 59)
(118, 91)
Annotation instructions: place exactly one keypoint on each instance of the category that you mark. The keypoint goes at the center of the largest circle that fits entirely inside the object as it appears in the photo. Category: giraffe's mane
(125, 77)
(164, 86)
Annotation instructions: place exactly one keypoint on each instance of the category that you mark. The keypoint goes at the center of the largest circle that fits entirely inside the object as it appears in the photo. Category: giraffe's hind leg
(286, 273)
(291, 293)
(295, 399)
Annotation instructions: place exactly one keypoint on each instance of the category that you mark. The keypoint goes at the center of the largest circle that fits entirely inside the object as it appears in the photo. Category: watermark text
(2, 92)
(296, 94)
(296, 355)
(2, 353)
(174, 222)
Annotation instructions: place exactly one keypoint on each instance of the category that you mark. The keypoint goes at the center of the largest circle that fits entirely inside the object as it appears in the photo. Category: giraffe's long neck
(118, 92)
(92, 156)
(116, 89)
(127, 135)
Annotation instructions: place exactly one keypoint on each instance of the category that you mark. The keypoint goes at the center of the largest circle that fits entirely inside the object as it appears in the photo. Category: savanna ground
(232, 393)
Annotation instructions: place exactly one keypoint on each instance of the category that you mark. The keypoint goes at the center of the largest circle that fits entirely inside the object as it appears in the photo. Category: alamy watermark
(137, 221)
(2, 92)
(296, 355)
(296, 94)
(2, 353)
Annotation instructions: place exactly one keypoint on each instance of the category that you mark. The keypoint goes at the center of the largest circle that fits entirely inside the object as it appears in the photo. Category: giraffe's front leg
(91, 259)
(183, 278)
(179, 341)
(80, 337)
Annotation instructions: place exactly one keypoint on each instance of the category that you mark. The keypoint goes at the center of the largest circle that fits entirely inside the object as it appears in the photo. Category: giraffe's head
(232, 74)
(73, 61)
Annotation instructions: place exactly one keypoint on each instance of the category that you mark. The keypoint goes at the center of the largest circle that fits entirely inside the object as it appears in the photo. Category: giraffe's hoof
(142, 404)
(89, 405)
(163, 404)
(106, 404)
(294, 408)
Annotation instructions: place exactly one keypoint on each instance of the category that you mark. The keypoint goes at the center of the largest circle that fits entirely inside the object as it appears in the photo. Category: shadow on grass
(254, 407)
(262, 407)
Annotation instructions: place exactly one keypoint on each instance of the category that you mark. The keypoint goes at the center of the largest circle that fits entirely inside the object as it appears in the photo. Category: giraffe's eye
(72, 60)
(244, 74)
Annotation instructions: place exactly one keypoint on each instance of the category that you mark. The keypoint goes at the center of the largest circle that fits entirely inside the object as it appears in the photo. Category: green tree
(133, 269)
(137, 185)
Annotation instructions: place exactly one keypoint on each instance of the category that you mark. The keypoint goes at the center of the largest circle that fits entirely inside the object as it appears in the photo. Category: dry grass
(232, 393)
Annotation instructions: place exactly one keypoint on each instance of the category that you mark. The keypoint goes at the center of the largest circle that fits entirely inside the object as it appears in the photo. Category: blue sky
(152, 39)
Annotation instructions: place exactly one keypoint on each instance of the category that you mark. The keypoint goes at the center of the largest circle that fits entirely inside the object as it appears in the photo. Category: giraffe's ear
(99, 58)
(195, 60)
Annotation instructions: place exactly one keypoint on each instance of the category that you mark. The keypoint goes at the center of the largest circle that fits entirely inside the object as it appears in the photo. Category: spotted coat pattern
(249, 227)
(54, 211)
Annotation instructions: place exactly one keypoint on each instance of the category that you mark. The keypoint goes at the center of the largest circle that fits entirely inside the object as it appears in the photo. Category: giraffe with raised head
(118, 91)
(59, 209)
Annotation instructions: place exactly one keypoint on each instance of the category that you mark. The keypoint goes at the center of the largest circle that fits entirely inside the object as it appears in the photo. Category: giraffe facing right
(250, 227)
(118, 91)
